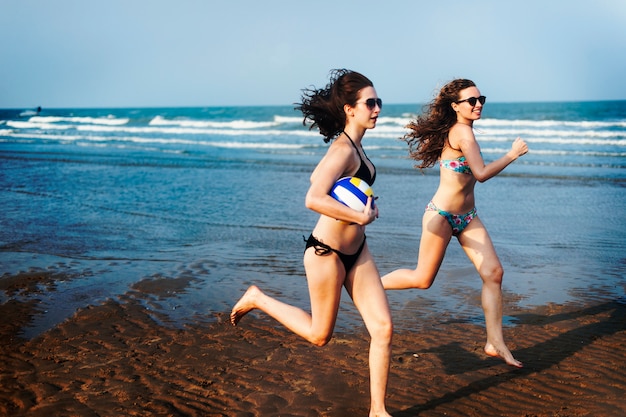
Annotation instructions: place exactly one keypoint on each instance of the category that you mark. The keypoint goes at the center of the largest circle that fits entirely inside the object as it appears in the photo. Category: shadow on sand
(544, 355)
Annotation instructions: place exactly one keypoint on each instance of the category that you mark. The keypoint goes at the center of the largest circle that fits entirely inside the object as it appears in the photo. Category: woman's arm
(468, 145)
(334, 165)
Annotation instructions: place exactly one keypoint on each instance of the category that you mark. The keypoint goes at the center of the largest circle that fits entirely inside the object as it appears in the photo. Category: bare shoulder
(338, 159)
(461, 136)
(341, 152)
(340, 147)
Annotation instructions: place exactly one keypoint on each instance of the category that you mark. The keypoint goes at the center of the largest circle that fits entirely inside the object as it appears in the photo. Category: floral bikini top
(459, 165)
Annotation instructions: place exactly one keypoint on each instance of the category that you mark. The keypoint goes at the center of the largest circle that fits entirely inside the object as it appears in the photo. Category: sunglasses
(472, 100)
(372, 102)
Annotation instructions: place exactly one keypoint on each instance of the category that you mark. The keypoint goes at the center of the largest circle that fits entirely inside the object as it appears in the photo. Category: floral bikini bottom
(458, 222)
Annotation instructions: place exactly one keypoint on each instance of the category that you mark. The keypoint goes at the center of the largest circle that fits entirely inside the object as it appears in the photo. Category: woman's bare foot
(244, 305)
(504, 353)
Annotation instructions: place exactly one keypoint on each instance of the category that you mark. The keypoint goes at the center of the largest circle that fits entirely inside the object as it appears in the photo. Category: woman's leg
(365, 288)
(479, 248)
(325, 277)
(436, 235)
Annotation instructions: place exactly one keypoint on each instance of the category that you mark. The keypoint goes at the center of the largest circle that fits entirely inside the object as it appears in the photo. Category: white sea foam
(41, 126)
(390, 133)
(579, 153)
(542, 124)
(399, 121)
(288, 120)
(558, 152)
(161, 141)
(233, 124)
(560, 140)
(110, 120)
(178, 131)
(552, 133)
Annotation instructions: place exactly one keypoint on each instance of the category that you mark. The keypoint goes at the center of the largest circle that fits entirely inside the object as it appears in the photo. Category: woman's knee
(382, 330)
(320, 339)
(492, 274)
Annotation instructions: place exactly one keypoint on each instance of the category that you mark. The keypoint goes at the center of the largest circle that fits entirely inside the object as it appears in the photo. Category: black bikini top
(363, 172)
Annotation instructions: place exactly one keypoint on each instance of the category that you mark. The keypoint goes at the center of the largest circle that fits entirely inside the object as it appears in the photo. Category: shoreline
(122, 357)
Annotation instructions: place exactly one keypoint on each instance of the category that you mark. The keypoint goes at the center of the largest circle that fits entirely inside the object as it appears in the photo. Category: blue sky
(131, 53)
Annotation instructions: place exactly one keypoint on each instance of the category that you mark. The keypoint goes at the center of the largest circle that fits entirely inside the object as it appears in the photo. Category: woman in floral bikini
(444, 133)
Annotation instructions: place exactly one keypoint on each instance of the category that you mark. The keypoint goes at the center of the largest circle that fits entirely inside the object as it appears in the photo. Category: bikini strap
(372, 177)
(350, 139)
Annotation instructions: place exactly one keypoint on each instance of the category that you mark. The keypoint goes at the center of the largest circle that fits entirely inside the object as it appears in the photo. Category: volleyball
(353, 192)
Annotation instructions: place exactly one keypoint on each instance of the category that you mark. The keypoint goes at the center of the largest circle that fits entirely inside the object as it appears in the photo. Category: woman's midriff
(341, 236)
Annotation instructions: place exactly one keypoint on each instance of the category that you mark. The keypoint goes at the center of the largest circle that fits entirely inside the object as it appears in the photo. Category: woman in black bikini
(336, 253)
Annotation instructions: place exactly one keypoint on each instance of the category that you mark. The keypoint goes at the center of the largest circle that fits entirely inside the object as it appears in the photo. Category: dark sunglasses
(472, 100)
(372, 102)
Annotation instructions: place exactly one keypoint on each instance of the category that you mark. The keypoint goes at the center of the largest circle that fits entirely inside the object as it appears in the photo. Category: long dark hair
(323, 108)
(429, 131)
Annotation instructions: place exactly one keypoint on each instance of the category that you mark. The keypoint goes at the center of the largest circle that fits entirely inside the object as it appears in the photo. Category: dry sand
(122, 358)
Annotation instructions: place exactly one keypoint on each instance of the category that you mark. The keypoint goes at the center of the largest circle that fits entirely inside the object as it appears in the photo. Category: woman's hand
(370, 212)
(519, 147)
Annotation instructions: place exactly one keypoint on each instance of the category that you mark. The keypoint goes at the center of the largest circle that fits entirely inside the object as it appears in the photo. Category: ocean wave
(52, 137)
(542, 124)
(557, 152)
(161, 141)
(552, 133)
(280, 132)
(173, 133)
(396, 146)
(565, 140)
(251, 124)
(278, 120)
(399, 121)
(109, 120)
(578, 153)
(288, 120)
(233, 124)
(579, 141)
(380, 132)
(387, 127)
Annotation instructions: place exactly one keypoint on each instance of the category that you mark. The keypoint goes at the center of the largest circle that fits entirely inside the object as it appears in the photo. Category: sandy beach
(127, 234)
(123, 358)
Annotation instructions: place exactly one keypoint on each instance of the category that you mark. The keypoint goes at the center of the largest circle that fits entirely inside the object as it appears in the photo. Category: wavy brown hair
(323, 108)
(429, 131)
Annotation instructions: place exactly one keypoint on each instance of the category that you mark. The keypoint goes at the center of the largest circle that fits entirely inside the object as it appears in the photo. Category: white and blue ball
(353, 192)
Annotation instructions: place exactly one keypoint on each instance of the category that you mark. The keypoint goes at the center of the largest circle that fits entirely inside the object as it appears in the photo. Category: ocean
(104, 199)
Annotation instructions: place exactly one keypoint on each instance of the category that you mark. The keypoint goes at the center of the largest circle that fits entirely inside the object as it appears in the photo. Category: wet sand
(123, 358)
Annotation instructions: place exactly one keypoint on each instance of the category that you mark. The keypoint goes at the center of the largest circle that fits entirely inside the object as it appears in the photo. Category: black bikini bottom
(322, 249)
